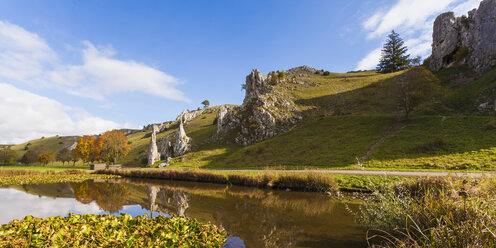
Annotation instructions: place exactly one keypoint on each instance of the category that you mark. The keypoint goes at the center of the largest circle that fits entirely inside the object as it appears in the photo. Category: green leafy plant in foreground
(109, 231)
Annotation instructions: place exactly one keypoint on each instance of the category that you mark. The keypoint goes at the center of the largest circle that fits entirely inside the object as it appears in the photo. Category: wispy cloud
(414, 20)
(370, 61)
(27, 61)
(25, 116)
(26, 58)
(23, 55)
(101, 74)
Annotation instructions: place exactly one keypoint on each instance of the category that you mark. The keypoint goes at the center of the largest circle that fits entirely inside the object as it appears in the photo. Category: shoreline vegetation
(432, 212)
(22, 177)
(308, 182)
(280, 180)
(91, 230)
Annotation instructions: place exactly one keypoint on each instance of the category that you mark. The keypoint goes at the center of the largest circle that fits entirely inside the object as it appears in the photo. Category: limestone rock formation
(166, 151)
(182, 144)
(165, 147)
(465, 40)
(188, 116)
(153, 154)
(266, 111)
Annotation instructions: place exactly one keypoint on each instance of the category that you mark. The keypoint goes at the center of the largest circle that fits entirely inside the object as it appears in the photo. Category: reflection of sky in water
(16, 204)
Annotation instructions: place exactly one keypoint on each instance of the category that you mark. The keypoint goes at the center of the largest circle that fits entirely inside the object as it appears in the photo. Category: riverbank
(23, 177)
(312, 182)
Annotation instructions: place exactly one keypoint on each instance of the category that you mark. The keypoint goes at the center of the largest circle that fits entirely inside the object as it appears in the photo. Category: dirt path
(387, 173)
(391, 130)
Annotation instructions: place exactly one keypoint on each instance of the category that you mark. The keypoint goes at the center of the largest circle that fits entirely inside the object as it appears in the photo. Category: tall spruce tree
(394, 55)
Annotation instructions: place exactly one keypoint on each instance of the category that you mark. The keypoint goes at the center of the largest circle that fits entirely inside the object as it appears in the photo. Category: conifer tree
(394, 55)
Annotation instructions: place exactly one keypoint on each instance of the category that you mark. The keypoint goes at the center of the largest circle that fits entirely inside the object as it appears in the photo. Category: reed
(312, 182)
(445, 212)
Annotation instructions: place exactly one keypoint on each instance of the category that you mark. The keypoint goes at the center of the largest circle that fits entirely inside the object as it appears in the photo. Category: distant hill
(48, 144)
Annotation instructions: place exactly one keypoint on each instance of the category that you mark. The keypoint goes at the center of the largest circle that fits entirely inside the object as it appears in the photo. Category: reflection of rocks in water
(175, 200)
(152, 196)
(181, 202)
(261, 218)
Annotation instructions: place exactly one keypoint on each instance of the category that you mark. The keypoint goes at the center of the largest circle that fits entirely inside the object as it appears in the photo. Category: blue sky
(83, 67)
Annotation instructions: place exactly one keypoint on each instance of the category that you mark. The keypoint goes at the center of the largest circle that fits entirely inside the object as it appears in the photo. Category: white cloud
(414, 20)
(370, 61)
(464, 8)
(405, 14)
(23, 55)
(372, 22)
(26, 58)
(25, 116)
(101, 74)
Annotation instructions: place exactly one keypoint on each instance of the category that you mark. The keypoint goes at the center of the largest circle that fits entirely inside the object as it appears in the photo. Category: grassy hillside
(49, 144)
(349, 115)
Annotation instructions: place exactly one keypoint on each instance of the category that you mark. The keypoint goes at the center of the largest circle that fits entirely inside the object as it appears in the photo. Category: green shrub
(326, 73)
(461, 53)
(465, 21)
(110, 231)
(427, 62)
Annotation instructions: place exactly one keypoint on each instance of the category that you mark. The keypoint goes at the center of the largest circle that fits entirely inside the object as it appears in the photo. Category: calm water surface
(252, 217)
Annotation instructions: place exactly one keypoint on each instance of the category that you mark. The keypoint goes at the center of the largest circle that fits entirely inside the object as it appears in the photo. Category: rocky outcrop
(486, 102)
(153, 154)
(266, 111)
(182, 144)
(301, 71)
(166, 151)
(188, 116)
(165, 145)
(469, 40)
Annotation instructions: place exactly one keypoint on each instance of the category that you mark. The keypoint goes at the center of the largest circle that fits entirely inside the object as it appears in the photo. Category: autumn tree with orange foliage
(46, 158)
(97, 149)
(114, 144)
(85, 148)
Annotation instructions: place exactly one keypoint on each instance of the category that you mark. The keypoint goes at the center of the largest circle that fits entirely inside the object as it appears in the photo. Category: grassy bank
(433, 212)
(109, 231)
(23, 177)
(286, 181)
(45, 168)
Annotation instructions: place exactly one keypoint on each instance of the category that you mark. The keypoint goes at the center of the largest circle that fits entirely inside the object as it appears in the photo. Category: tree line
(107, 147)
